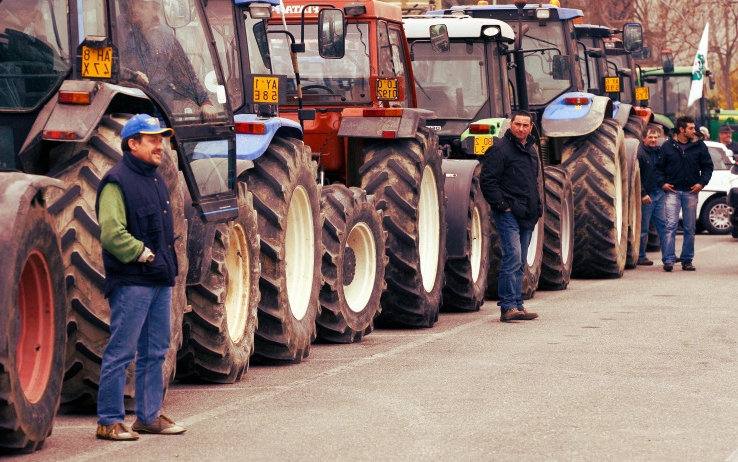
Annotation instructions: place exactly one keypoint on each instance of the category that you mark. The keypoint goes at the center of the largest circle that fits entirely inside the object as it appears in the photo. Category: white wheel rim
(238, 260)
(428, 229)
(566, 229)
(476, 243)
(618, 203)
(720, 216)
(299, 252)
(361, 242)
(533, 247)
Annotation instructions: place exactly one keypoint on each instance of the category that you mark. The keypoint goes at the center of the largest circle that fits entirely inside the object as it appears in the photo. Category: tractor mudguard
(495, 130)
(355, 125)
(621, 112)
(459, 174)
(250, 147)
(83, 119)
(566, 120)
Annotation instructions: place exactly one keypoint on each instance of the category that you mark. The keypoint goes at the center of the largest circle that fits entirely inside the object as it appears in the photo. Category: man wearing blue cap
(137, 235)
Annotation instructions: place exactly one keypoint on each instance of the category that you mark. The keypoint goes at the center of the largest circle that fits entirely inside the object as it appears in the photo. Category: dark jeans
(653, 212)
(514, 242)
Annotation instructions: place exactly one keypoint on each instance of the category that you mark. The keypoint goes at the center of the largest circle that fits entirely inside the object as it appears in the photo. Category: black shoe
(644, 262)
(677, 259)
(688, 266)
(668, 267)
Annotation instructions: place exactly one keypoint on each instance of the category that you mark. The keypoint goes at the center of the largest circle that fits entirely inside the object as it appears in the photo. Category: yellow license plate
(266, 90)
(641, 94)
(387, 90)
(612, 84)
(97, 63)
(481, 144)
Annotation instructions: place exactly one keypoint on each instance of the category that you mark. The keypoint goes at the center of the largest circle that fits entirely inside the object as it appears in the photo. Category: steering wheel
(319, 87)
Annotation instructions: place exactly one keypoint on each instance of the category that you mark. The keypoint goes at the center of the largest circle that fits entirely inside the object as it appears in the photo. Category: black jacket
(509, 178)
(684, 168)
(733, 146)
(648, 158)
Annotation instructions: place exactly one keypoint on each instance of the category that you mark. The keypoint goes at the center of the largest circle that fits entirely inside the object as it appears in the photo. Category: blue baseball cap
(145, 125)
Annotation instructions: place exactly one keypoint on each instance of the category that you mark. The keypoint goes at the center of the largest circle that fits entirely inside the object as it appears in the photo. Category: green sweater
(114, 234)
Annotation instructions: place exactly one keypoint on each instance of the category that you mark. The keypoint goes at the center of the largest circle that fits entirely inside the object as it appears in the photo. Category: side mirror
(331, 33)
(667, 60)
(440, 42)
(177, 13)
(560, 68)
(632, 37)
(262, 43)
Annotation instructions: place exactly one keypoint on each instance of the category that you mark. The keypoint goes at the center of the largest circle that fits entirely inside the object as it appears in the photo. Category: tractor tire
(634, 203)
(218, 334)
(715, 216)
(558, 241)
(596, 165)
(353, 264)
(534, 259)
(466, 277)
(406, 178)
(287, 202)
(634, 127)
(32, 328)
(88, 312)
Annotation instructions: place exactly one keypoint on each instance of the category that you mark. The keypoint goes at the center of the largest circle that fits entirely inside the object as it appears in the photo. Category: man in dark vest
(137, 235)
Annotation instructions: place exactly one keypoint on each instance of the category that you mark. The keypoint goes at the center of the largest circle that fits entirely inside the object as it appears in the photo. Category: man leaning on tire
(137, 235)
(509, 182)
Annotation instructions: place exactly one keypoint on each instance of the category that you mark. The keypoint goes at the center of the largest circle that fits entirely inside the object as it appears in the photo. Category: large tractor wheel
(596, 164)
(88, 312)
(407, 180)
(287, 202)
(32, 333)
(634, 127)
(634, 203)
(218, 334)
(353, 264)
(466, 276)
(558, 240)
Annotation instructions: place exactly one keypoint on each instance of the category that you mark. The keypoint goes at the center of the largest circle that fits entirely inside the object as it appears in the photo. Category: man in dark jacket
(685, 168)
(137, 235)
(509, 182)
(652, 197)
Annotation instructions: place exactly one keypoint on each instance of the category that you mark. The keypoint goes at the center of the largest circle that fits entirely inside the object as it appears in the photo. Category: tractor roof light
(354, 9)
(491, 31)
(260, 10)
(543, 14)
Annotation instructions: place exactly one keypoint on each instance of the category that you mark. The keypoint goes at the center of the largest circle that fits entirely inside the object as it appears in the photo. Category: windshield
(173, 64)
(324, 81)
(34, 51)
(544, 85)
(439, 83)
(669, 96)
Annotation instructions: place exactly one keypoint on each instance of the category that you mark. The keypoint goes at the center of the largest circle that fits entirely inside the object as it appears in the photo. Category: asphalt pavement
(638, 368)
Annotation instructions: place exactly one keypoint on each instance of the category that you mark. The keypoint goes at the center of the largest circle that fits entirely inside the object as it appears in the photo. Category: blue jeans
(687, 202)
(653, 212)
(140, 328)
(514, 242)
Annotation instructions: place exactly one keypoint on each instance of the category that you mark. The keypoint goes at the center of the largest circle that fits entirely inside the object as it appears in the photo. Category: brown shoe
(511, 315)
(527, 315)
(688, 266)
(116, 432)
(644, 262)
(162, 425)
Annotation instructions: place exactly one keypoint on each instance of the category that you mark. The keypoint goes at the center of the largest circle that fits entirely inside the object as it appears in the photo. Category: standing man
(652, 197)
(686, 167)
(137, 235)
(725, 133)
(509, 182)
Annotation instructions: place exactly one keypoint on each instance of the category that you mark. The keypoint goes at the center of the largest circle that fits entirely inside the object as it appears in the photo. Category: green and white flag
(698, 69)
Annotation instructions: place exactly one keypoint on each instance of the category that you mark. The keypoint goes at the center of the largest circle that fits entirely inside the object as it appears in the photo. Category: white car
(713, 211)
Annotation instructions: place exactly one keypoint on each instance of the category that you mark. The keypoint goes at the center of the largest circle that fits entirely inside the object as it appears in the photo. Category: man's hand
(696, 188)
(668, 187)
(208, 112)
(646, 199)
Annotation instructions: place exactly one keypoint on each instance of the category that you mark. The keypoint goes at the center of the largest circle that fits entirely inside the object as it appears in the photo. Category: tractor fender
(458, 174)
(16, 192)
(621, 112)
(84, 119)
(567, 120)
(252, 146)
(355, 125)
